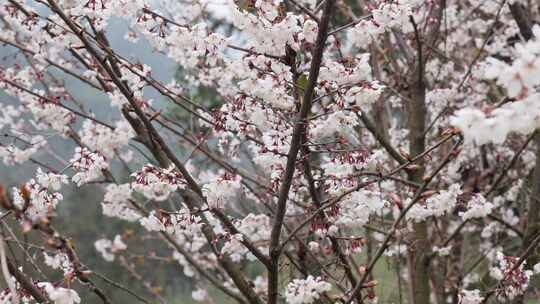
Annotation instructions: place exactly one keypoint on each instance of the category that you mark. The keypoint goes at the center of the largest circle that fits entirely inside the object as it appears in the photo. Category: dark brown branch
(296, 141)
(27, 283)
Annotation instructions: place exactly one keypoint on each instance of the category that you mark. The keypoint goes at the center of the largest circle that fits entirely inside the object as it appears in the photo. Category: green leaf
(302, 82)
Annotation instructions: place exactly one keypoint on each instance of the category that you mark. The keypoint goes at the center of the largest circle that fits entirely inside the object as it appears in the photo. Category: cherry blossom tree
(343, 137)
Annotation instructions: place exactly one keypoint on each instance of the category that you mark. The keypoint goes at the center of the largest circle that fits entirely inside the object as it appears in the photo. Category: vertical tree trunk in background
(532, 223)
(531, 227)
(522, 20)
(418, 263)
(379, 108)
(418, 253)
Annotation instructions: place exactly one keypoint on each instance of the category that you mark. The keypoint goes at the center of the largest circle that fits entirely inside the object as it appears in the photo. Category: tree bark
(418, 255)
(531, 227)
(296, 142)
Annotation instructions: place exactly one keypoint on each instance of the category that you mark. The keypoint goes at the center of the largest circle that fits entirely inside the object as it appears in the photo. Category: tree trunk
(418, 254)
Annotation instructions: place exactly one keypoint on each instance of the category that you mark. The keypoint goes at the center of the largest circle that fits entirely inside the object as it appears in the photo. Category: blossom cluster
(221, 190)
(513, 276)
(58, 261)
(157, 183)
(385, 16)
(105, 140)
(470, 297)
(116, 203)
(520, 80)
(180, 222)
(306, 291)
(57, 294)
(60, 295)
(477, 207)
(38, 198)
(88, 165)
(437, 205)
(108, 248)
